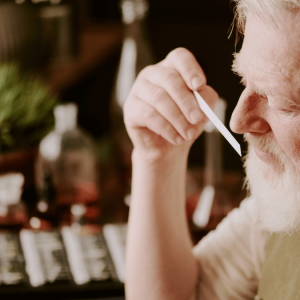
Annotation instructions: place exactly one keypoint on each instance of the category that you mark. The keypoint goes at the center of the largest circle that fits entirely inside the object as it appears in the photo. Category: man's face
(269, 63)
(268, 114)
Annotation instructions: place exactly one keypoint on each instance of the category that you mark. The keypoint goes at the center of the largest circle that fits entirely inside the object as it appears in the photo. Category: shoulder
(238, 224)
(231, 256)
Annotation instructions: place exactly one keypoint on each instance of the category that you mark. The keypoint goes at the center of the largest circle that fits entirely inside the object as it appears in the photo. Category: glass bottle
(67, 157)
(13, 211)
(43, 216)
(213, 203)
(136, 54)
(57, 25)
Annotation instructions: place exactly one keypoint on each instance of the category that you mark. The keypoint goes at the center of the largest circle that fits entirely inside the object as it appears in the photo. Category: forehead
(271, 53)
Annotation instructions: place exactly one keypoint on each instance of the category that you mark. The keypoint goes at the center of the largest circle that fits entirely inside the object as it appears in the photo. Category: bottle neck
(135, 29)
(65, 125)
(134, 14)
(213, 159)
(133, 10)
(136, 55)
(213, 171)
(65, 117)
(136, 36)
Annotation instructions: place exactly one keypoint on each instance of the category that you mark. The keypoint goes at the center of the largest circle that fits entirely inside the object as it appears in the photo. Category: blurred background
(201, 26)
(66, 68)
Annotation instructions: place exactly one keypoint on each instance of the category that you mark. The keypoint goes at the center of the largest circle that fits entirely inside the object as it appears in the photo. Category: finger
(211, 97)
(145, 116)
(183, 61)
(171, 81)
(159, 99)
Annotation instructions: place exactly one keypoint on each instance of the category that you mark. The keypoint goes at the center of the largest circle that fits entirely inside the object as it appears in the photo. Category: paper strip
(214, 119)
(32, 258)
(75, 256)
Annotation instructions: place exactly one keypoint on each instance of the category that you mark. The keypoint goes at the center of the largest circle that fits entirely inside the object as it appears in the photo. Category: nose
(249, 115)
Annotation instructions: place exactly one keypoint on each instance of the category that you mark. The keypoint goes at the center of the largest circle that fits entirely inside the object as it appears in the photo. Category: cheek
(288, 138)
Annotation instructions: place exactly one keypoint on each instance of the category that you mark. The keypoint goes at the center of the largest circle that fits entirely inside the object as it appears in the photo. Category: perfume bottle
(67, 158)
(44, 214)
(213, 204)
(136, 54)
(13, 211)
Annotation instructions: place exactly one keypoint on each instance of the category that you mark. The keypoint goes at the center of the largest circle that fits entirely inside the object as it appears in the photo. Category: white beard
(275, 188)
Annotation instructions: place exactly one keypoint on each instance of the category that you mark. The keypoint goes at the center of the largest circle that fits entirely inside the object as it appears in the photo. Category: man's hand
(161, 113)
(163, 119)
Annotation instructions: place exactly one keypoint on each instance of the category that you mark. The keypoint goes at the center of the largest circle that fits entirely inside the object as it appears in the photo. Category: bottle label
(14, 218)
(78, 193)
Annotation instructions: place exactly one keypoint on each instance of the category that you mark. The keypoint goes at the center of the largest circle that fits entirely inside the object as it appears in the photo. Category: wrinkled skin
(269, 64)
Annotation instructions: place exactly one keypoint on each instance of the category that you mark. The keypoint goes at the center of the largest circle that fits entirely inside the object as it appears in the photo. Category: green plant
(26, 109)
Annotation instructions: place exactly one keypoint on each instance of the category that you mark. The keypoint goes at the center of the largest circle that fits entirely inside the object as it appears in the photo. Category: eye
(263, 96)
(287, 113)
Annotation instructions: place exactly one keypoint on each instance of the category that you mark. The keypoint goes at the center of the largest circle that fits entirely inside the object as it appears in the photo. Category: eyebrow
(236, 68)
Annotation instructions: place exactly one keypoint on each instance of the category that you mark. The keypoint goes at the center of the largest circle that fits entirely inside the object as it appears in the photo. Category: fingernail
(195, 116)
(197, 82)
(179, 140)
(191, 134)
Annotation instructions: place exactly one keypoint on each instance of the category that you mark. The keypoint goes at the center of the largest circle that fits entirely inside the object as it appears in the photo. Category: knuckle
(183, 125)
(176, 86)
(150, 114)
(128, 111)
(158, 96)
(185, 102)
(182, 121)
(169, 76)
(168, 130)
(145, 71)
(177, 53)
(126, 108)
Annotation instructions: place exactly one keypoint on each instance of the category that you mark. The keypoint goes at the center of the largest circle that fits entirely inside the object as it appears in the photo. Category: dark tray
(65, 291)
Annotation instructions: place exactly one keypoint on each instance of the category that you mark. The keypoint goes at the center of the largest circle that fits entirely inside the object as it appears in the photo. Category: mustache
(268, 143)
(264, 143)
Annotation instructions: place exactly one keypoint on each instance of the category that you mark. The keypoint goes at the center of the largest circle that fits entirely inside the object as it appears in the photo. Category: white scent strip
(75, 256)
(32, 258)
(215, 120)
(115, 236)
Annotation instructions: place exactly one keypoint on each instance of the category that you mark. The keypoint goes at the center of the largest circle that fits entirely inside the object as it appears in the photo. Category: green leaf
(26, 109)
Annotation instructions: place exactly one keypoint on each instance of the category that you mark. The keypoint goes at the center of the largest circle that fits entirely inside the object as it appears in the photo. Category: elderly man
(255, 251)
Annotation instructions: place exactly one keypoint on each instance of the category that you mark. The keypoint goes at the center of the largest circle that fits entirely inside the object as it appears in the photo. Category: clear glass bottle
(136, 54)
(213, 203)
(67, 156)
(13, 211)
(57, 26)
(43, 216)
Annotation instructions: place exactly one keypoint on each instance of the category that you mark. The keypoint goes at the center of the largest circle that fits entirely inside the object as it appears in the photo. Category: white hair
(270, 10)
(274, 187)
